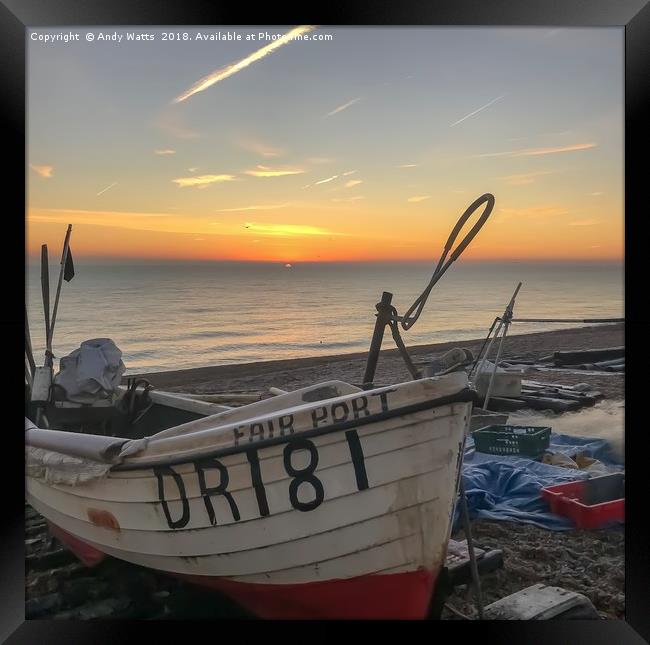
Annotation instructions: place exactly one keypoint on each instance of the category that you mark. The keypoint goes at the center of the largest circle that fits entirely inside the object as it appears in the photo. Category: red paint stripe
(393, 596)
(382, 596)
(89, 555)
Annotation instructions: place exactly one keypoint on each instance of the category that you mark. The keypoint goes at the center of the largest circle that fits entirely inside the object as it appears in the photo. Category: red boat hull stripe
(393, 595)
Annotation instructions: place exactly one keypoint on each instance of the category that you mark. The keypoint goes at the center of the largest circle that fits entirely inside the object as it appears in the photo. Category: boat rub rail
(463, 396)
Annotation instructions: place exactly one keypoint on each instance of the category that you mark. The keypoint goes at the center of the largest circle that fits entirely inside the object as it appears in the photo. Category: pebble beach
(587, 561)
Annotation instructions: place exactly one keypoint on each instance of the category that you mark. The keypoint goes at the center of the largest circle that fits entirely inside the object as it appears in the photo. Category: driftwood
(548, 403)
(588, 355)
(584, 399)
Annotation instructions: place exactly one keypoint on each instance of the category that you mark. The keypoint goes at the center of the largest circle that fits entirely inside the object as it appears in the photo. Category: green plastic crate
(530, 441)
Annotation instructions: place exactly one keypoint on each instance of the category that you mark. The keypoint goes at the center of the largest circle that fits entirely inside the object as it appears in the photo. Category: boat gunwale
(466, 395)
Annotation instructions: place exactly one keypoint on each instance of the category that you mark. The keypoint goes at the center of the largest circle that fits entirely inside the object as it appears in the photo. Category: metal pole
(470, 548)
(487, 351)
(383, 317)
(506, 318)
(569, 320)
(496, 366)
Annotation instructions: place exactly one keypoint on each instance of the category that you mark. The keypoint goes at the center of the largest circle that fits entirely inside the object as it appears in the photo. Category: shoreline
(294, 373)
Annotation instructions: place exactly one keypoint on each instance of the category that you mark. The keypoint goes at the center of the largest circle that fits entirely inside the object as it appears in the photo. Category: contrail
(487, 105)
(107, 188)
(340, 108)
(229, 70)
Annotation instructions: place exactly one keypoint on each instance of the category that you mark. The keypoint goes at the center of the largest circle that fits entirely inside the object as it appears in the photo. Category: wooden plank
(588, 355)
(547, 403)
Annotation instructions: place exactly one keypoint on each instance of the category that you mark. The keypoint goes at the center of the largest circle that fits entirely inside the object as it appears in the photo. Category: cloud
(263, 207)
(487, 105)
(353, 182)
(596, 194)
(165, 151)
(202, 181)
(532, 152)
(260, 148)
(106, 214)
(325, 181)
(319, 160)
(229, 70)
(407, 165)
(550, 151)
(348, 199)
(101, 192)
(583, 222)
(265, 171)
(345, 106)
(287, 230)
(521, 180)
(418, 198)
(43, 171)
(349, 172)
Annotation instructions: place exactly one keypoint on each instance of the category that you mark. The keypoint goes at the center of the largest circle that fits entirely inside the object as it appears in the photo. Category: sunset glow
(349, 150)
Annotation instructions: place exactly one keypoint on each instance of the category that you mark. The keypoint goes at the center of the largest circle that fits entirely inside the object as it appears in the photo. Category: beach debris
(579, 461)
(504, 322)
(541, 602)
(555, 397)
(503, 382)
(590, 356)
(458, 561)
(451, 361)
(591, 503)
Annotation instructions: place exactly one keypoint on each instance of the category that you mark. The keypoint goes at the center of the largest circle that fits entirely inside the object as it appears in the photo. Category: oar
(28, 346)
(45, 288)
(64, 257)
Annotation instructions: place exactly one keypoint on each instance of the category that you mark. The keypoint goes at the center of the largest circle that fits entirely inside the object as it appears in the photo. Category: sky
(357, 144)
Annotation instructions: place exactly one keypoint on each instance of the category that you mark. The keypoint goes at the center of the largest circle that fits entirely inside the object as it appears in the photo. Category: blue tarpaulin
(509, 488)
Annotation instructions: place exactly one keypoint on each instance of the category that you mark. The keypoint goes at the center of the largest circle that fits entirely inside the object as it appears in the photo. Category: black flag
(68, 270)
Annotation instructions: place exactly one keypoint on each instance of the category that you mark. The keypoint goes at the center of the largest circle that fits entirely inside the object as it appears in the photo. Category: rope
(402, 347)
(410, 317)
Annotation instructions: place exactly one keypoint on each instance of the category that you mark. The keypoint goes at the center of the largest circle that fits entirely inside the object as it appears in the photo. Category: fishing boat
(326, 502)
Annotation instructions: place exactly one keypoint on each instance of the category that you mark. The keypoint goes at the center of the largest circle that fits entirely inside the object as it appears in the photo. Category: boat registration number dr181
(299, 477)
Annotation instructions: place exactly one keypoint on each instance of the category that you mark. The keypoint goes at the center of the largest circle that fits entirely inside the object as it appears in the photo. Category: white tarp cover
(57, 468)
(91, 372)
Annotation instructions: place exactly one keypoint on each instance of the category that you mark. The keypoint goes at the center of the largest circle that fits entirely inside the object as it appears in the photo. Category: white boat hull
(372, 500)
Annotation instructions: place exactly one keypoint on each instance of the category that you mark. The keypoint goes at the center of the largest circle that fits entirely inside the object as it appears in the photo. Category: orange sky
(274, 156)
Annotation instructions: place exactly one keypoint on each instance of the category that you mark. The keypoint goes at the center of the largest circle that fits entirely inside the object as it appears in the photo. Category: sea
(183, 315)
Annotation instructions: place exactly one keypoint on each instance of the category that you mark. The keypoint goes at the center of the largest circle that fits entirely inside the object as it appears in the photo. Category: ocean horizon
(167, 315)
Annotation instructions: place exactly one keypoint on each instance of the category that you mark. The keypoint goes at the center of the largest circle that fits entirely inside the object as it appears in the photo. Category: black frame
(633, 15)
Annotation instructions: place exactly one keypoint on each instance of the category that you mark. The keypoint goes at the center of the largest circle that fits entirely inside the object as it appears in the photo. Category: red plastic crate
(590, 503)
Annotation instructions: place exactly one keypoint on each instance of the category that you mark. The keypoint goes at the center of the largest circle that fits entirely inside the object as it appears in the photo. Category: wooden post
(383, 316)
